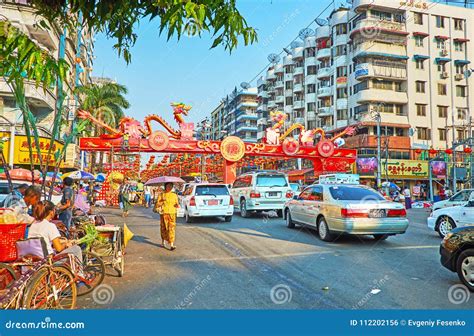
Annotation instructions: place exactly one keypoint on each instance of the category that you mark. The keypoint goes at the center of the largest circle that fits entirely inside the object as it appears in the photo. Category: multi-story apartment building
(236, 115)
(76, 47)
(404, 61)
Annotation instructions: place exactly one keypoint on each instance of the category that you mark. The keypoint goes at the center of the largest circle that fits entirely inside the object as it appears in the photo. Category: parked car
(261, 191)
(445, 219)
(334, 209)
(457, 254)
(207, 200)
(4, 191)
(296, 188)
(459, 198)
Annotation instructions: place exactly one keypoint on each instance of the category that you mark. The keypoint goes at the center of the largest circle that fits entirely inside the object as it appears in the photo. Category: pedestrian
(66, 205)
(167, 206)
(406, 192)
(124, 199)
(15, 199)
(147, 196)
(448, 192)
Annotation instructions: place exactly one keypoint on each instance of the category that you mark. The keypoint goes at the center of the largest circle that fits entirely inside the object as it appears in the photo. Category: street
(258, 263)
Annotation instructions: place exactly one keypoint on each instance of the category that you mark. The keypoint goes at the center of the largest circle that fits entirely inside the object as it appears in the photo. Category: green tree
(119, 19)
(106, 102)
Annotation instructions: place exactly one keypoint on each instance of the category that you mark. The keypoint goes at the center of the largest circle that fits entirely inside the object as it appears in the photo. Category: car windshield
(294, 186)
(354, 193)
(215, 190)
(275, 180)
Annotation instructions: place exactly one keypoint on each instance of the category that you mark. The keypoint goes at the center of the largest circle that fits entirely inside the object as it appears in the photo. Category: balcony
(247, 116)
(262, 107)
(298, 53)
(389, 27)
(365, 141)
(325, 92)
(298, 88)
(36, 96)
(311, 97)
(323, 53)
(322, 32)
(310, 61)
(378, 95)
(263, 94)
(310, 79)
(271, 104)
(325, 111)
(324, 72)
(280, 99)
(381, 50)
(288, 77)
(271, 76)
(298, 71)
(247, 104)
(247, 128)
(288, 108)
(279, 68)
(341, 103)
(299, 121)
(392, 71)
(298, 104)
(279, 84)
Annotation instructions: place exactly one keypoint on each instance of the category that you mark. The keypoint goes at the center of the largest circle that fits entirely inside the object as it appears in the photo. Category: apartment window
(288, 85)
(340, 29)
(311, 88)
(439, 21)
(311, 70)
(341, 93)
(341, 71)
(461, 91)
(458, 46)
(442, 67)
(460, 135)
(418, 18)
(460, 69)
(421, 110)
(311, 107)
(310, 52)
(458, 24)
(423, 133)
(442, 134)
(341, 114)
(462, 115)
(398, 86)
(440, 44)
(339, 50)
(419, 41)
(361, 86)
(420, 86)
(386, 16)
(420, 64)
(361, 109)
(289, 100)
(442, 89)
(442, 111)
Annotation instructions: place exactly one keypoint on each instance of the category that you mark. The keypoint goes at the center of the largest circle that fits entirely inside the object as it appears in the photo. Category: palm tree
(106, 102)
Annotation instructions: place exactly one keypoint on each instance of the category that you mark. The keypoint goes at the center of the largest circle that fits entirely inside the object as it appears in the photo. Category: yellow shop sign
(405, 168)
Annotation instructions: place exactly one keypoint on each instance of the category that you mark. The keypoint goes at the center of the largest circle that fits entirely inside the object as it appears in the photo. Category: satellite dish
(244, 85)
(304, 33)
(295, 44)
(467, 73)
(273, 58)
(321, 22)
(411, 131)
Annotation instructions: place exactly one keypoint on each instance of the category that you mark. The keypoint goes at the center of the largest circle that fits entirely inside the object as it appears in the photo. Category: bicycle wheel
(94, 269)
(52, 287)
(11, 271)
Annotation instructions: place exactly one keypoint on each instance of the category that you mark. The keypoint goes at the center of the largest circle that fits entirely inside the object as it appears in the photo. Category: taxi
(338, 204)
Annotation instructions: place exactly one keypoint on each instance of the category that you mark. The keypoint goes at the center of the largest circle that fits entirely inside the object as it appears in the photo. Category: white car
(5, 191)
(445, 219)
(207, 200)
(459, 198)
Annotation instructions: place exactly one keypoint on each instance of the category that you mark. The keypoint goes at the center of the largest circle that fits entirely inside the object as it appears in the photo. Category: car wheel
(228, 219)
(380, 237)
(243, 209)
(323, 231)
(187, 218)
(280, 213)
(289, 221)
(445, 224)
(465, 268)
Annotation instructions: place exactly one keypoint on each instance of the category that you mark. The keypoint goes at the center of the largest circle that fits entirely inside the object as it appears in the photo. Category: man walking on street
(407, 194)
(67, 203)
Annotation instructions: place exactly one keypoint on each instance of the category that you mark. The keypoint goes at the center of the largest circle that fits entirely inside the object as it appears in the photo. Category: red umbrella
(21, 174)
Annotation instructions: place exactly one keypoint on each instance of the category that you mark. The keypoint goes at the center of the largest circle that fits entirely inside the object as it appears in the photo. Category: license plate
(378, 213)
(213, 202)
(272, 194)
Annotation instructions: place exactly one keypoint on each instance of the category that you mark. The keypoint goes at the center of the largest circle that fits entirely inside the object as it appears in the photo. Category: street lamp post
(375, 114)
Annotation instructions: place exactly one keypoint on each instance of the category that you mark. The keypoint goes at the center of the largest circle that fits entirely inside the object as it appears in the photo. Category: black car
(457, 254)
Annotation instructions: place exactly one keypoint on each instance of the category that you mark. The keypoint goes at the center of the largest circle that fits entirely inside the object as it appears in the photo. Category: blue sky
(188, 71)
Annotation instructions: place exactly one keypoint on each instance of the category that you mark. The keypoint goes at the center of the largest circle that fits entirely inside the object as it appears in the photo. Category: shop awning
(441, 37)
(420, 57)
(461, 40)
(299, 172)
(461, 62)
(420, 34)
(442, 60)
(379, 54)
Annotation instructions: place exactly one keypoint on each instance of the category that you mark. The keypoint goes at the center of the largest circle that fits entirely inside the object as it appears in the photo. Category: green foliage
(118, 19)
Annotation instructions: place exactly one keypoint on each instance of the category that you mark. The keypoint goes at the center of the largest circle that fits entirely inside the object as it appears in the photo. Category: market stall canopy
(79, 175)
(164, 179)
(21, 174)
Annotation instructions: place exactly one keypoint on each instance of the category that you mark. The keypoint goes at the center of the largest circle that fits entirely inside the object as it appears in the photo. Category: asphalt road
(258, 263)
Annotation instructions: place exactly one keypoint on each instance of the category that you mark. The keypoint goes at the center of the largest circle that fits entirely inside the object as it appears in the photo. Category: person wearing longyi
(167, 206)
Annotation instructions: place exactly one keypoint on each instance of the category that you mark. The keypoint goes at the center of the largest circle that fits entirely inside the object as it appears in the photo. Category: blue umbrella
(100, 177)
(79, 175)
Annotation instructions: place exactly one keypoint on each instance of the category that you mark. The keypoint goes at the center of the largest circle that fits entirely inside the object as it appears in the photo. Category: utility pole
(378, 118)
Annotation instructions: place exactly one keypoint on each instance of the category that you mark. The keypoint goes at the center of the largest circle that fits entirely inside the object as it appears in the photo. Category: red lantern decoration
(468, 150)
(449, 151)
(433, 151)
(418, 151)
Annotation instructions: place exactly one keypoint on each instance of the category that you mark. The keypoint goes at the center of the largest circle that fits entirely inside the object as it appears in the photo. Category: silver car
(334, 209)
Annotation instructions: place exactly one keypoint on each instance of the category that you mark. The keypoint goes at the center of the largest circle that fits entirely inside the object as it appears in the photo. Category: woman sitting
(43, 212)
